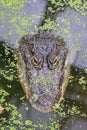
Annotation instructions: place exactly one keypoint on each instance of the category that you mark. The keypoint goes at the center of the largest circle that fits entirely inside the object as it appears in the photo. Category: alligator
(43, 69)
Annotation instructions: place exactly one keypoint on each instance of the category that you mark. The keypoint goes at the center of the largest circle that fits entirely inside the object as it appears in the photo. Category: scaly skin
(43, 69)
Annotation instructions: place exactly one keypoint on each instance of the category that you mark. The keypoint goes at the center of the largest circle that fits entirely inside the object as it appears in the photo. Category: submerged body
(43, 69)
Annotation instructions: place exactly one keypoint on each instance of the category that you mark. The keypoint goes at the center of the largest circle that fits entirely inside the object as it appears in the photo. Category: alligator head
(43, 69)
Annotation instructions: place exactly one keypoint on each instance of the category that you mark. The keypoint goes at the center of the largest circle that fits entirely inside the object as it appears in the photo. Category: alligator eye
(52, 60)
(55, 61)
(35, 59)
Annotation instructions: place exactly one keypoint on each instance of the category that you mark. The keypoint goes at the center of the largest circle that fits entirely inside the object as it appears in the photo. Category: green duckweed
(8, 72)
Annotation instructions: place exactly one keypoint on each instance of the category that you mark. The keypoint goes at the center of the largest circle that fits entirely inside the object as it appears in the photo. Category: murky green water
(19, 114)
(22, 17)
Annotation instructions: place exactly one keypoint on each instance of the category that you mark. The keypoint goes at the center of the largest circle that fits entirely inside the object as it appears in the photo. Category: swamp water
(19, 114)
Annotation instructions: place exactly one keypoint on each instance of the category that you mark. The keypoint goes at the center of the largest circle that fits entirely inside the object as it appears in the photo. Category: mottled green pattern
(12, 10)
(13, 5)
(65, 110)
(7, 72)
(10, 13)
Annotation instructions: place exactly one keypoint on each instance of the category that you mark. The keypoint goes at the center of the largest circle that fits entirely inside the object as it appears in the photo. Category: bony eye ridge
(52, 61)
(37, 61)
